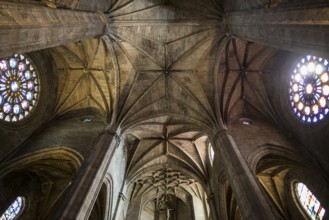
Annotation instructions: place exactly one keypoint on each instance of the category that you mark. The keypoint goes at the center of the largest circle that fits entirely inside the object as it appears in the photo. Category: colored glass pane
(13, 210)
(309, 89)
(19, 90)
(309, 202)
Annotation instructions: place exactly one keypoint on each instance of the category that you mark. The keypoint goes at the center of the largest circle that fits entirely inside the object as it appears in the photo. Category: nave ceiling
(180, 62)
(167, 74)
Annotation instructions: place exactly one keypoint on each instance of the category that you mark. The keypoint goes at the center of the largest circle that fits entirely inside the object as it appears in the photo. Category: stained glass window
(309, 202)
(13, 210)
(19, 88)
(309, 89)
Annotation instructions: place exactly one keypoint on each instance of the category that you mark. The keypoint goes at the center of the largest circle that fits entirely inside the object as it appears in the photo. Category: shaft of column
(79, 199)
(301, 30)
(118, 208)
(250, 198)
(30, 27)
(212, 208)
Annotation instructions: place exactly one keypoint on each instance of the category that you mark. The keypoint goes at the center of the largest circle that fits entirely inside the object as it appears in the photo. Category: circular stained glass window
(19, 88)
(309, 89)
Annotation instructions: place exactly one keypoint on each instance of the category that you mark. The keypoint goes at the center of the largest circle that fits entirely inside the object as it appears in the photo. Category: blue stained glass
(21, 66)
(309, 89)
(13, 210)
(30, 85)
(25, 104)
(24, 86)
(14, 86)
(16, 109)
(29, 96)
(2, 87)
(3, 65)
(7, 108)
(12, 63)
(27, 75)
(309, 202)
(19, 88)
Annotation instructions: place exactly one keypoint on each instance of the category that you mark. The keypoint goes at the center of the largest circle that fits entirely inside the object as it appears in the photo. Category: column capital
(109, 132)
(112, 133)
(221, 132)
(122, 196)
(210, 197)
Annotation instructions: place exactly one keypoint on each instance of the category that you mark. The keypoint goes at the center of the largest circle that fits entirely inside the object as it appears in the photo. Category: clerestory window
(309, 202)
(13, 210)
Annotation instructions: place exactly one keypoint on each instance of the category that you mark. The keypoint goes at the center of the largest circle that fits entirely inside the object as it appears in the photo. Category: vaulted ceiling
(167, 74)
(157, 59)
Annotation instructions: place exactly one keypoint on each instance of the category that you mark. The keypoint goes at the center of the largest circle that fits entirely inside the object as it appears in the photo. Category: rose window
(19, 88)
(309, 89)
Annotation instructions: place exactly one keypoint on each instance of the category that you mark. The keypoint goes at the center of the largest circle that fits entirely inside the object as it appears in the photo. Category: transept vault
(164, 109)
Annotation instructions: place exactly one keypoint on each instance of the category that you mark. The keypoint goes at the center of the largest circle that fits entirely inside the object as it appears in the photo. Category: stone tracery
(19, 88)
(309, 89)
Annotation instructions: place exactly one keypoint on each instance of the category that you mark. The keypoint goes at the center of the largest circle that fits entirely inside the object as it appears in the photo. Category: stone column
(118, 208)
(79, 200)
(28, 27)
(302, 30)
(250, 197)
(212, 207)
(198, 208)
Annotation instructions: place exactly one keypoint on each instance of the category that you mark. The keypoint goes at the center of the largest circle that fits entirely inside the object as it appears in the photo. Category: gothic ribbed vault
(168, 109)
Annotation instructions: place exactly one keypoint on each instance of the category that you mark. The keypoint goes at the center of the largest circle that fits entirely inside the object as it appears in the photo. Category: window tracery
(309, 202)
(309, 89)
(19, 88)
(13, 210)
